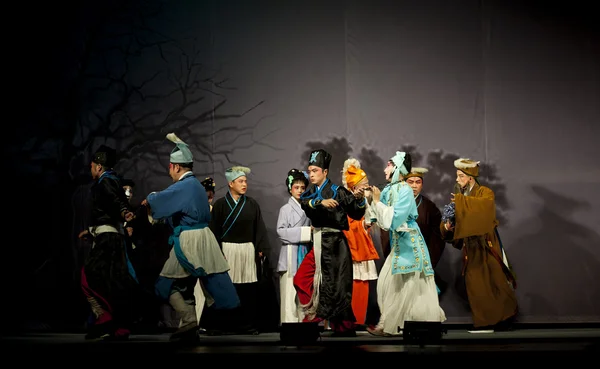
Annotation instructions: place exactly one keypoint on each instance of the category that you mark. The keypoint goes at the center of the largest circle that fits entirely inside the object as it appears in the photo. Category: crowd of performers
(352, 256)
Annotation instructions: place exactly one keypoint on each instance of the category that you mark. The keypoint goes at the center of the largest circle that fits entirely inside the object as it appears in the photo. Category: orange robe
(362, 249)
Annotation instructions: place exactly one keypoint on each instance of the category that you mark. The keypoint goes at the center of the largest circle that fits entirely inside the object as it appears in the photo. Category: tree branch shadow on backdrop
(557, 261)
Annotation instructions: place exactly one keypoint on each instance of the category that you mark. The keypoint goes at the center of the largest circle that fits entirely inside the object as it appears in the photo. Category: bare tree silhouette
(127, 84)
(558, 242)
(439, 182)
(373, 165)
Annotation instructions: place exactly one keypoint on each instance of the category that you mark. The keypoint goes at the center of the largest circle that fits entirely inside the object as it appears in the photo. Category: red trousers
(303, 283)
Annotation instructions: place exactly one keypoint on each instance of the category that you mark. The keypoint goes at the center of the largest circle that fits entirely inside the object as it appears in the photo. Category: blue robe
(185, 206)
(406, 241)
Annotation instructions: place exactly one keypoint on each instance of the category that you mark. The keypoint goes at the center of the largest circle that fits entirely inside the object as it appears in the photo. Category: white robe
(293, 228)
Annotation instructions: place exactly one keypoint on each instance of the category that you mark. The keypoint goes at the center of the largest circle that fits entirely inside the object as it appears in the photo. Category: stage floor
(267, 347)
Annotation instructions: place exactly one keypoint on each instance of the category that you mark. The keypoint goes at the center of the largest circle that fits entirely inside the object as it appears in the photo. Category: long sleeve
(370, 213)
(353, 207)
(310, 207)
(289, 234)
(448, 236)
(165, 203)
(112, 196)
(475, 215)
(393, 217)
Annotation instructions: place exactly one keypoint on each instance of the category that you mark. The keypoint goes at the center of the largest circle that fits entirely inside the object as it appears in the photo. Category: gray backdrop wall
(261, 83)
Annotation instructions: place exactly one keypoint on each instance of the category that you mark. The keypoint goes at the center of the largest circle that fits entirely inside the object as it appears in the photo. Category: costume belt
(105, 228)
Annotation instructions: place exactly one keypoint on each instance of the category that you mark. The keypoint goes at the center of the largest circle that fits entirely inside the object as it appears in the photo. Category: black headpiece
(209, 184)
(293, 176)
(106, 156)
(320, 158)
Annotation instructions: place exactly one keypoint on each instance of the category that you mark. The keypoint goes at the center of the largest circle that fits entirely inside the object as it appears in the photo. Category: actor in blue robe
(196, 254)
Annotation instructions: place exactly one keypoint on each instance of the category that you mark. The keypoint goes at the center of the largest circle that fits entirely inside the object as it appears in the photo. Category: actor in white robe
(294, 231)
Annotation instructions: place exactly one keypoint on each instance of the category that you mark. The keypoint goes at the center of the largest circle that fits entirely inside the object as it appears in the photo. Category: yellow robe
(489, 282)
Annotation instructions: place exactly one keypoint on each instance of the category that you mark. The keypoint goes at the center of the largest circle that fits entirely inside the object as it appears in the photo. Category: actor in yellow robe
(489, 281)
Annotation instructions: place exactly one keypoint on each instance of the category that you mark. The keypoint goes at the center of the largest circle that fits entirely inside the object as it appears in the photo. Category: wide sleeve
(310, 206)
(261, 239)
(475, 215)
(287, 233)
(448, 236)
(352, 206)
(165, 203)
(113, 198)
(370, 212)
(394, 216)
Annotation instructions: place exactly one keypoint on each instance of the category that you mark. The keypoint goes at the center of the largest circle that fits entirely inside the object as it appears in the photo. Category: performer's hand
(329, 203)
(145, 203)
(129, 231)
(368, 195)
(83, 234)
(449, 227)
(128, 216)
(376, 193)
(452, 197)
(359, 193)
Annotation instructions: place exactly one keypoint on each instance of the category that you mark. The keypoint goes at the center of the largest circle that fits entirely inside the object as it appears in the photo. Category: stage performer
(108, 279)
(294, 231)
(406, 287)
(488, 277)
(429, 220)
(361, 245)
(195, 256)
(324, 279)
(238, 224)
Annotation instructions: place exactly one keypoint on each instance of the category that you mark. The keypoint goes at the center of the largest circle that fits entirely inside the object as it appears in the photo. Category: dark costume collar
(235, 210)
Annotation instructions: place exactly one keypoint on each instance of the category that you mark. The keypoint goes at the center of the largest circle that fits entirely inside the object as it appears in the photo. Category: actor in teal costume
(406, 287)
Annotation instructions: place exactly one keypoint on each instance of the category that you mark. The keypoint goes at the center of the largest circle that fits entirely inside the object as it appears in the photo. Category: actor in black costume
(108, 278)
(324, 279)
(238, 225)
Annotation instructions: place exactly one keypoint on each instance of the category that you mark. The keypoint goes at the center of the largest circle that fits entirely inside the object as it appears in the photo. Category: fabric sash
(236, 209)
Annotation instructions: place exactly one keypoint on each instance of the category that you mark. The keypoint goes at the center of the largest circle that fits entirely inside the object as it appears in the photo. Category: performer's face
(96, 170)
(297, 189)
(316, 174)
(239, 185)
(416, 184)
(389, 171)
(462, 179)
(364, 183)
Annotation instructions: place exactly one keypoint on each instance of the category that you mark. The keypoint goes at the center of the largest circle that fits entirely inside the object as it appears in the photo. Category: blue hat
(181, 154)
(236, 172)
